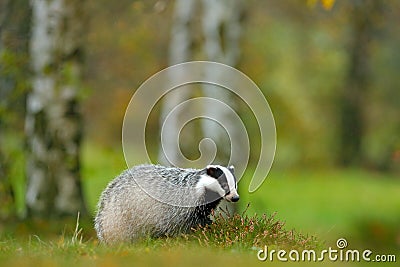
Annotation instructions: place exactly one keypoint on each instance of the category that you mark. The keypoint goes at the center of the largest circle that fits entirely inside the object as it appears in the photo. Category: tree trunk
(222, 30)
(352, 101)
(14, 32)
(53, 119)
(180, 51)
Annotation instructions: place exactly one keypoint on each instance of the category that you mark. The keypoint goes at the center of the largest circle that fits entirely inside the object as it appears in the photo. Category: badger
(156, 201)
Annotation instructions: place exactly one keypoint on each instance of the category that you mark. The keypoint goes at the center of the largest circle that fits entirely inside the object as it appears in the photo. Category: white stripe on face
(230, 178)
(211, 184)
(232, 196)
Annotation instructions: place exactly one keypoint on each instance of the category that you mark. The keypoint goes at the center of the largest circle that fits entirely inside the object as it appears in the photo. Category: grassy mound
(239, 231)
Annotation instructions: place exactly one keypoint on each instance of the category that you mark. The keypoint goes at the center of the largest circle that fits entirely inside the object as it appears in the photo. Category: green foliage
(12, 147)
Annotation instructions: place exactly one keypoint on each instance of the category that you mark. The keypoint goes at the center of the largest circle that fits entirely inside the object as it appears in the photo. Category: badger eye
(225, 186)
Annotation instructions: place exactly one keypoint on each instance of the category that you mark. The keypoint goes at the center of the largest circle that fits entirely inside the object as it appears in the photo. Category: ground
(321, 205)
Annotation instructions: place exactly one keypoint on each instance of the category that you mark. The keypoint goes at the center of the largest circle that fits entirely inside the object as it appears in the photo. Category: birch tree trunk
(53, 119)
(222, 30)
(180, 50)
(221, 26)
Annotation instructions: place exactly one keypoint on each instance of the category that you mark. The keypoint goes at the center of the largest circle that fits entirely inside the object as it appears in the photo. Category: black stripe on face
(224, 183)
(219, 174)
(231, 169)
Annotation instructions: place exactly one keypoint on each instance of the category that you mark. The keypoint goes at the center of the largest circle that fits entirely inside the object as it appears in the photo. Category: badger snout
(232, 197)
(235, 198)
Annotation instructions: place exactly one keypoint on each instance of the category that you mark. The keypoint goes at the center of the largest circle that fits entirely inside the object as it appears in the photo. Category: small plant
(77, 236)
(242, 231)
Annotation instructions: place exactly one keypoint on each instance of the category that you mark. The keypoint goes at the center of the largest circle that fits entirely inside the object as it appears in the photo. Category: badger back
(169, 185)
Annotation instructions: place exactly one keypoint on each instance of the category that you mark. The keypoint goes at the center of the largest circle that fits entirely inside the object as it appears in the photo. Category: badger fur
(152, 200)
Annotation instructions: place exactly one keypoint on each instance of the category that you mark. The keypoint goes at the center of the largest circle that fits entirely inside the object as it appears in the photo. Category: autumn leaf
(327, 4)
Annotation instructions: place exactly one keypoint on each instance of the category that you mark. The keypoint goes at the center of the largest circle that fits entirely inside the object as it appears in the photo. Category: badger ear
(211, 171)
(232, 169)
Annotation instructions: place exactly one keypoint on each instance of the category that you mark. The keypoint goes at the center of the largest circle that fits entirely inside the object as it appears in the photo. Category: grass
(304, 209)
(226, 241)
(89, 254)
(242, 232)
(355, 204)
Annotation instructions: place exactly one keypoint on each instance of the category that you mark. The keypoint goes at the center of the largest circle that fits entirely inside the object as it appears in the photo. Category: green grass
(304, 209)
(226, 241)
(361, 206)
(243, 232)
(40, 253)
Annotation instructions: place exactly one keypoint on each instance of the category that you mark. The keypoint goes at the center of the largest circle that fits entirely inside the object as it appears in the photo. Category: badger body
(153, 200)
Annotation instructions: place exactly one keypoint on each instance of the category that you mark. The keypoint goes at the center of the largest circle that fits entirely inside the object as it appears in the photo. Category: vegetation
(244, 232)
(302, 210)
(329, 72)
(240, 235)
(327, 202)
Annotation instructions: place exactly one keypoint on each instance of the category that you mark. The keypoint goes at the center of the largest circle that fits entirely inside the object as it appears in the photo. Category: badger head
(219, 180)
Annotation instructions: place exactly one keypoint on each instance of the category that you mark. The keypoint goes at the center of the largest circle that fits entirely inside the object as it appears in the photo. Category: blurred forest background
(329, 70)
